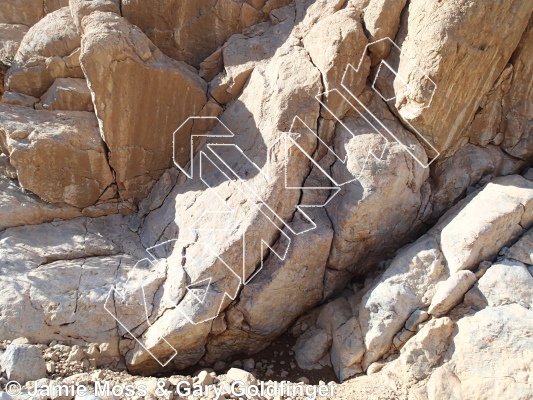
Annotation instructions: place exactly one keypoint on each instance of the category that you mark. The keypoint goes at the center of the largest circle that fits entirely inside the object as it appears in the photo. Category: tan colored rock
(519, 112)
(505, 282)
(182, 34)
(343, 42)
(139, 137)
(407, 285)
(255, 130)
(347, 349)
(54, 5)
(273, 300)
(82, 8)
(523, 250)
(10, 37)
(26, 13)
(464, 49)
(494, 218)
(18, 207)
(490, 117)
(490, 357)
(424, 351)
(54, 35)
(312, 349)
(70, 94)
(63, 145)
(450, 292)
(382, 20)
(48, 51)
(402, 196)
(470, 166)
(6, 169)
(88, 254)
(19, 99)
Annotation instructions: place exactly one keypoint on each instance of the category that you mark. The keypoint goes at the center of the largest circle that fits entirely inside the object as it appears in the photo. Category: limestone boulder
(425, 351)
(82, 8)
(346, 41)
(48, 51)
(19, 99)
(505, 282)
(489, 355)
(182, 34)
(18, 207)
(90, 255)
(494, 218)
(450, 292)
(472, 166)
(10, 37)
(347, 349)
(25, 13)
(407, 285)
(461, 41)
(117, 59)
(273, 300)
(23, 363)
(367, 179)
(382, 20)
(71, 94)
(523, 249)
(63, 145)
(257, 124)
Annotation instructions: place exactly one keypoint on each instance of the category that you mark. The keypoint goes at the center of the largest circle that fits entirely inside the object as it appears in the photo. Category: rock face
(182, 34)
(48, 51)
(117, 59)
(10, 37)
(421, 277)
(183, 181)
(63, 145)
(471, 57)
(67, 94)
(466, 239)
(25, 13)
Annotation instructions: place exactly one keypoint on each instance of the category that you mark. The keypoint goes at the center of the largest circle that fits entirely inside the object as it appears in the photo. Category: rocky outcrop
(471, 56)
(423, 279)
(10, 37)
(67, 94)
(48, 51)
(26, 13)
(137, 122)
(63, 145)
(276, 186)
(182, 34)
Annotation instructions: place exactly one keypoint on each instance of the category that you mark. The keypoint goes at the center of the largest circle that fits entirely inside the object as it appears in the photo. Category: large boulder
(255, 130)
(21, 12)
(18, 207)
(182, 34)
(496, 217)
(48, 51)
(64, 145)
(361, 239)
(140, 97)
(90, 255)
(10, 37)
(67, 94)
(490, 355)
(465, 48)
